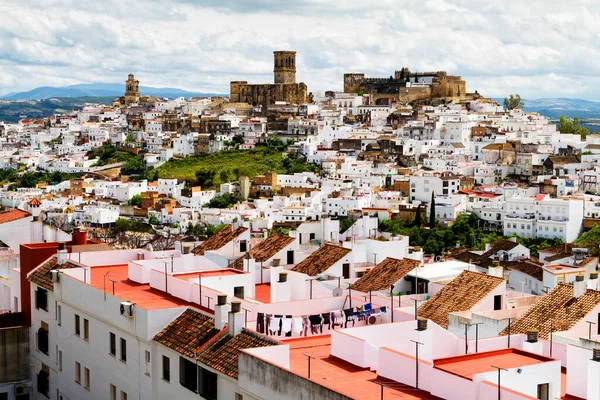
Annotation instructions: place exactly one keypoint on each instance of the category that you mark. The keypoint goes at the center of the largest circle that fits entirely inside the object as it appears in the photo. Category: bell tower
(132, 90)
(285, 67)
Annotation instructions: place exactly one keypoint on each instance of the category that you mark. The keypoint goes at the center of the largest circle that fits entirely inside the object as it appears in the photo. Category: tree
(133, 165)
(136, 200)
(432, 211)
(225, 200)
(513, 102)
(418, 221)
(153, 220)
(572, 126)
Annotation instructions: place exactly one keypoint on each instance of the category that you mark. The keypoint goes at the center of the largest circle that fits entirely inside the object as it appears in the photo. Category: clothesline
(278, 324)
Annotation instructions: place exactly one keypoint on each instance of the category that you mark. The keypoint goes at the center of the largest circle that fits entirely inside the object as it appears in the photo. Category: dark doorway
(543, 391)
(498, 302)
(290, 257)
(346, 270)
(243, 246)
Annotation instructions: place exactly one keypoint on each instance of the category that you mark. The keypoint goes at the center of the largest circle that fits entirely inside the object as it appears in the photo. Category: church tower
(132, 90)
(285, 67)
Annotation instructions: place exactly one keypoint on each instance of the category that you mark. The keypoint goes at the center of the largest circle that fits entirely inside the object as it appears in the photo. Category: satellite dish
(337, 292)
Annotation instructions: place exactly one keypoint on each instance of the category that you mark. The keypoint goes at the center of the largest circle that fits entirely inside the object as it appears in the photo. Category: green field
(210, 170)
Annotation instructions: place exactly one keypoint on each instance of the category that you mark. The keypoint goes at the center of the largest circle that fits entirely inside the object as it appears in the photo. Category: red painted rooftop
(469, 365)
(142, 295)
(13, 215)
(262, 293)
(343, 377)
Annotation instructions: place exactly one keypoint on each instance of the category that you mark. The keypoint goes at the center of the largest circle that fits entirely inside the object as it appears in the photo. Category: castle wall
(407, 95)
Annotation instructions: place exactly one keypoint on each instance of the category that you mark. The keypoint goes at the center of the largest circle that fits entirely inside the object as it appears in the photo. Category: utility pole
(200, 289)
(476, 335)
(417, 344)
(590, 329)
(309, 358)
(416, 301)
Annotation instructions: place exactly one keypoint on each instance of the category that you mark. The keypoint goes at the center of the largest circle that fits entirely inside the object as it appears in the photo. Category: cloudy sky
(536, 48)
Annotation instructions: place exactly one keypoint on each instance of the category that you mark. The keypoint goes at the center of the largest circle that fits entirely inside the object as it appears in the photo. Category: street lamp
(417, 344)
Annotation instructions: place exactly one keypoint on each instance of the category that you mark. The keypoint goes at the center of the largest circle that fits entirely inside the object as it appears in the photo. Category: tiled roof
(561, 248)
(485, 259)
(222, 353)
(41, 275)
(558, 306)
(188, 332)
(385, 274)
(219, 240)
(320, 261)
(265, 249)
(13, 215)
(561, 160)
(34, 202)
(499, 146)
(461, 294)
(528, 268)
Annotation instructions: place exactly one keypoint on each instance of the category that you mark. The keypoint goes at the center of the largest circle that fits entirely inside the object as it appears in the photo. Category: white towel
(298, 324)
(274, 324)
(287, 325)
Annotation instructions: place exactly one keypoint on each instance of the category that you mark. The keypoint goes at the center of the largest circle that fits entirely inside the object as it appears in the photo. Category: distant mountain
(99, 89)
(553, 108)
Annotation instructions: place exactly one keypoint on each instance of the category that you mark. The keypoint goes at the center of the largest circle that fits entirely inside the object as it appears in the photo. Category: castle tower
(132, 90)
(285, 67)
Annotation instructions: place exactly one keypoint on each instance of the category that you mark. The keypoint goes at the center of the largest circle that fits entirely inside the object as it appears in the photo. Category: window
(238, 292)
(166, 368)
(43, 381)
(208, 384)
(86, 377)
(113, 392)
(239, 396)
(148, 365)
(113, 344)
(86, 329)
(123, 350)
(77, 372)
(58, 314)
(42, 338)
(58, 358)
(188, 377)
(77, 325)
(123, 395)
(41, 299)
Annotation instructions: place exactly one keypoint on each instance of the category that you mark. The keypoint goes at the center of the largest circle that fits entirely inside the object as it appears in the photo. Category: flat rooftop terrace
(343, 377)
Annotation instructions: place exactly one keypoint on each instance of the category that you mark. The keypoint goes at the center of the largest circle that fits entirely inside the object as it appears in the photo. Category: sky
(535, 48)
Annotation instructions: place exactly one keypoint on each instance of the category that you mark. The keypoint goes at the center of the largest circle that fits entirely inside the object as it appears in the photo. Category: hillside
(13, 111)
(210, 170)
(112, 90)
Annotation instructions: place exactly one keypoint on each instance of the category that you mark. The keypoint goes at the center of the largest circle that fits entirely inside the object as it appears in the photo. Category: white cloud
(536, 48)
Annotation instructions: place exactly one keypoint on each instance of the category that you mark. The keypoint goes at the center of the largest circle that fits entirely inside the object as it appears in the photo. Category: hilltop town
(403, 237)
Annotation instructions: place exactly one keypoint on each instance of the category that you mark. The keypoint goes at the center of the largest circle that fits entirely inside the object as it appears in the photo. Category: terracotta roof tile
(219, 240)
(188, 332)
(529, 268)
(558, 306)
(13, 215)
(265, 250)
(385, 274)
(321, 260)
(41, 275)
(461, 294)
(222, 353)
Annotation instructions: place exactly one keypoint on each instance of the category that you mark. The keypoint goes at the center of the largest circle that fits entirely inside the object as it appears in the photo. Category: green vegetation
(464, 231)
(153, 220)
(432, 211)
(512, 102)
(345, 224)
(590, 240)
(572, 126)
(211, 170)
(110, 155)
(11, 112)
(225, 200)
(128, 225)
(136, 200)
(18, 179)
(201, 231)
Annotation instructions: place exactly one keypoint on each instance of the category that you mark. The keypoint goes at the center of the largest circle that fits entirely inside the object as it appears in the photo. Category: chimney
(62, 254)
(532, 344)
(79, 236)
(592, 283)
(236, 318)
(596, 354)
(579, 286)
(496, 270)
(221, 310)
(421, 324)
(282, 277)
(513, 239)
(488, 246)
(186, 249)
(282, 289)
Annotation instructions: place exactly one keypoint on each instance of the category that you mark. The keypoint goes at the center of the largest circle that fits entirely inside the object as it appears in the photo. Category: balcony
(528, 216)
